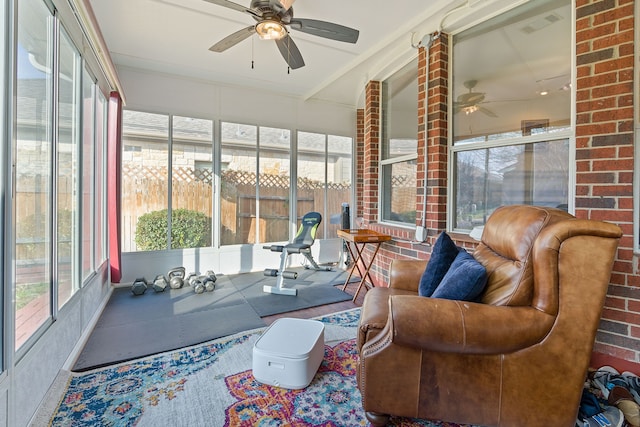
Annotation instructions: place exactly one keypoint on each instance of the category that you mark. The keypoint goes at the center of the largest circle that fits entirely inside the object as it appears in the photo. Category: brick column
(371, 157)
(604, 155)
(359, 157)
(437, 135)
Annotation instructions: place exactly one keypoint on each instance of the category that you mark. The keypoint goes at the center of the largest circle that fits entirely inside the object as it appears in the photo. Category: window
(58, 116)
(399, 145)
(101, 181)
(191, 183)
(33, 163)
(150, 183)
(275, 184)
(145, 185)
(238, 181)
(68, 214)
(324, 178)
(511, 112)
(88, 164)
(255, 182)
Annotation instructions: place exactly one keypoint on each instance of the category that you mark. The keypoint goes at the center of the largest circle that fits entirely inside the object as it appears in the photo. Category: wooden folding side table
(358, 239)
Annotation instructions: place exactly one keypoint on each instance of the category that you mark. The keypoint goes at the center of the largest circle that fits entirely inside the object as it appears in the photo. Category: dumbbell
(190, 278)
(209, 283)
(210, 274)
(160, 283)
(176, 277)
(198, 285)
(139, 286)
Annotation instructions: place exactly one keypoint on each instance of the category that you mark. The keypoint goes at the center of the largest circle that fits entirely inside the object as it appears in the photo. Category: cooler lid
(289, 337)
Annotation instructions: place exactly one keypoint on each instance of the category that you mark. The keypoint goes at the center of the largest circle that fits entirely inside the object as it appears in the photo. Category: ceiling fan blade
(290, 52)
(233, 39)
(487, 112)
(328, 30)
(236, 6)
(471, 98)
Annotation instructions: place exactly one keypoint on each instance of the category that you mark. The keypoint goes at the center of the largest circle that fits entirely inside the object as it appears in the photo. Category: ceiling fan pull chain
(288, 55)
(252, 53)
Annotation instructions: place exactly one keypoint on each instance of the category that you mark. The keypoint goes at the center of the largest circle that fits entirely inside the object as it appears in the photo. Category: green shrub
(189, 229)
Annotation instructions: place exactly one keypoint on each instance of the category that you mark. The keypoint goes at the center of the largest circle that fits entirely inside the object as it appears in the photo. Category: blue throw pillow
(442, 255)
(464, 281)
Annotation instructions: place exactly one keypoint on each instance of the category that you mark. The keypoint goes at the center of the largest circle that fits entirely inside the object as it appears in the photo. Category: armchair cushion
(464, 281)
(443, 254)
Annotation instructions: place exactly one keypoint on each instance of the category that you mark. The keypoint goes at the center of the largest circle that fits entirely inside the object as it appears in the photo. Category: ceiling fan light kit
(469, 102)
(273, 17)
(270, 30)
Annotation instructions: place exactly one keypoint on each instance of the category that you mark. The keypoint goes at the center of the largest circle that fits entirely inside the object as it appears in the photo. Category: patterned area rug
(212, 385)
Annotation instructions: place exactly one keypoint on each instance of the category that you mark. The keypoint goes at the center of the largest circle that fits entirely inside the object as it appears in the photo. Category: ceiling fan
(470, 102)
(273, 17)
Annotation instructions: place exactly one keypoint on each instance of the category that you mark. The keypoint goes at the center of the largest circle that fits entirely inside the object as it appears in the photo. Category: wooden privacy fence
(145, 189)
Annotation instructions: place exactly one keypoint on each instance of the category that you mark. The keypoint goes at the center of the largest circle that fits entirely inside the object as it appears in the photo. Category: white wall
(176, 95)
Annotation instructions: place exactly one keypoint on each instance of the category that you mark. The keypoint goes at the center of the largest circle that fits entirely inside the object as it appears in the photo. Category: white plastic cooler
(289, 352)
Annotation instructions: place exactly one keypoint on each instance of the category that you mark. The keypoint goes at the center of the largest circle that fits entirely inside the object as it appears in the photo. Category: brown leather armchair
(519, 356)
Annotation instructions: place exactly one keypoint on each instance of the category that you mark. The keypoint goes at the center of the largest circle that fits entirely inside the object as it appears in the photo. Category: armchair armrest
(464, 327)
(406, 273)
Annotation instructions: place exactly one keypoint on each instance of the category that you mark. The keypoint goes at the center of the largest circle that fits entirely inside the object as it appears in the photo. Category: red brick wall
(604, 156)
(604, 159)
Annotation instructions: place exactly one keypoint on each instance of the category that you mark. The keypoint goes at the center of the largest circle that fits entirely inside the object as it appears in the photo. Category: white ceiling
(174, 36)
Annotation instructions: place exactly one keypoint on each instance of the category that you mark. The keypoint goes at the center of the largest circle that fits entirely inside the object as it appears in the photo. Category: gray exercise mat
(137, 326)
(131, 326)
(314, 288)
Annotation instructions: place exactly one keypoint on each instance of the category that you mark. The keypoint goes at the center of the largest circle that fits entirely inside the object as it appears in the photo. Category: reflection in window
(400, 145)
(68, 169)
(324, 178)
(191, 182)
(33, 181)
(145, 181)
(512, 69)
